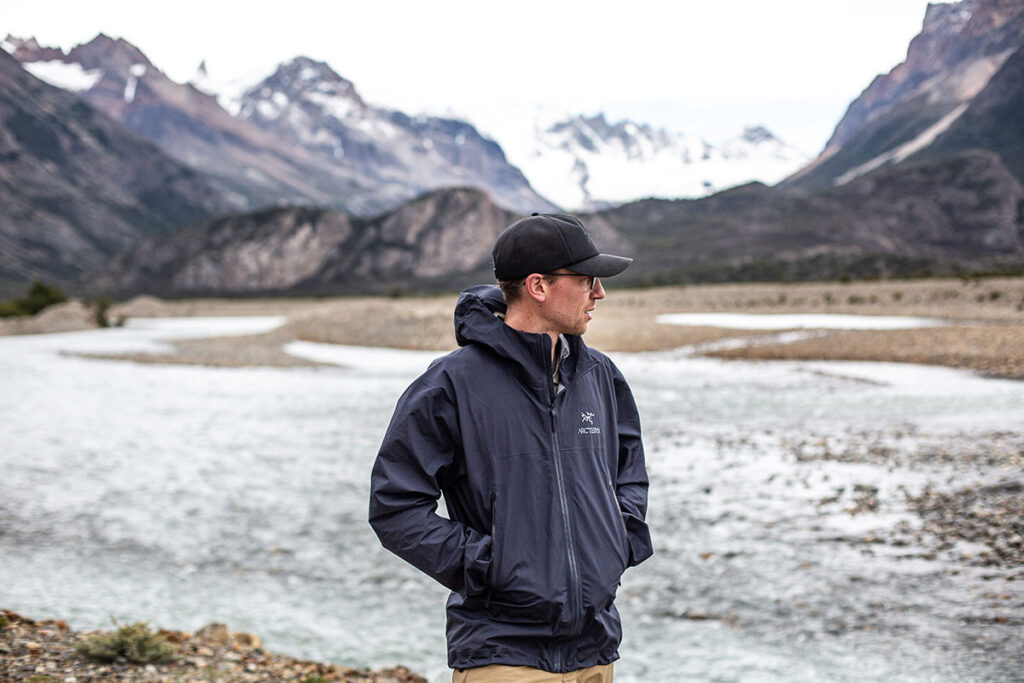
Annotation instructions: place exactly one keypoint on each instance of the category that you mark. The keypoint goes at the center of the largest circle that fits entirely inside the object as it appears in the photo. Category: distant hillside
(440, 240)
(76, 187)
(994, 120)
(961, 214)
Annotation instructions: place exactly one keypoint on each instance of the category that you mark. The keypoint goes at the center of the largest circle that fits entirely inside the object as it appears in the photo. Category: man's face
(571, 301)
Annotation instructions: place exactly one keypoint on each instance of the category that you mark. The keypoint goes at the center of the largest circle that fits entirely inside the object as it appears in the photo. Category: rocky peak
(947, 17)
(960, 48)
(112, 55)
(304, 75)
(758, 134)
(593, 132)
(314, 85)
(29, 50)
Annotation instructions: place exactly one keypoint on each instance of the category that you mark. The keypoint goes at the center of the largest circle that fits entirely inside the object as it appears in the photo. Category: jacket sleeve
(417, 453)
(631, 484)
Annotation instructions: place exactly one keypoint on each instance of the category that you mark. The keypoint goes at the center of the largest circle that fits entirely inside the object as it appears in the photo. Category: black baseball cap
(545, 242)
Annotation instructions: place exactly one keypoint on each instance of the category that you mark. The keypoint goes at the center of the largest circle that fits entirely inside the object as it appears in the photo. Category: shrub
(135, 642)
(40, 295)
(101, 306)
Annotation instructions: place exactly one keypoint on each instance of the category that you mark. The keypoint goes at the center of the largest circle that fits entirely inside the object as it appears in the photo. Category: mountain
(994, 120)
(958, 215)
(76, 186)
(964, 213)
(585, 162)
(925, 101)
(306, 103)
(302, 136)
(438, 241)
(250, 165)
(430, 241)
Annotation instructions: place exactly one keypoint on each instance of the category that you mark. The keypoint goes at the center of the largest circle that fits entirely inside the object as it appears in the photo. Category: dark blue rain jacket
(546, 493)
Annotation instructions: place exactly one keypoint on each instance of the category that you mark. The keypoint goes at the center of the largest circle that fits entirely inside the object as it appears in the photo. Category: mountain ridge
(76, 187)
(246, 152)
(960, 48)
(586, 162)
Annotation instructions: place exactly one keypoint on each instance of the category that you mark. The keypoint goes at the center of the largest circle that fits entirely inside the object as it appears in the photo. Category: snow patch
(582, 162)
(66, 76)
(229, 92)
(332, 105)
(129, 89)
(813, 321)
(207, 326)
(364, 358)
(267, 110)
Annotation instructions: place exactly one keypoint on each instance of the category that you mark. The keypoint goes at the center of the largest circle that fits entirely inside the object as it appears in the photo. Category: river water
(183, 495)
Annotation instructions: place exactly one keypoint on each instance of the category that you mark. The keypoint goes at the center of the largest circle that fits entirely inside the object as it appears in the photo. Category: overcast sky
(707, 68)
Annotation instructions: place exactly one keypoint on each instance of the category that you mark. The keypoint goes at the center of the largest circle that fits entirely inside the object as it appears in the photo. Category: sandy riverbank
(985, 334)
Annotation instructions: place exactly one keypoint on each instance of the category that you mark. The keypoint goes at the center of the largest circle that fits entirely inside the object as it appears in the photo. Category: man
(534, 441)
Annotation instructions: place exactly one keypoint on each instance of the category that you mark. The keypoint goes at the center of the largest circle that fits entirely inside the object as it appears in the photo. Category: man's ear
(536, 287)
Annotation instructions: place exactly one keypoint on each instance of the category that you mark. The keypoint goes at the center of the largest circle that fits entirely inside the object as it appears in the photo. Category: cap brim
(602, 265)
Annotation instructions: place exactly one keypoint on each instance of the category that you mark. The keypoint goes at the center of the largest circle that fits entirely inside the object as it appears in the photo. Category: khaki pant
(499, 673)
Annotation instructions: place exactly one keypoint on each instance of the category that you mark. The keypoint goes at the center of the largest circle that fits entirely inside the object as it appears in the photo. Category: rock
(217, 633)
(248, 641)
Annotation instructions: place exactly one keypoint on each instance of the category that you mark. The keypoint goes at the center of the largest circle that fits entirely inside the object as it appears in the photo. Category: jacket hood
(477, 322)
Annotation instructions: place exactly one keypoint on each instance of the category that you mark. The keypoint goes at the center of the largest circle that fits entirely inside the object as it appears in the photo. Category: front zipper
(574, 572)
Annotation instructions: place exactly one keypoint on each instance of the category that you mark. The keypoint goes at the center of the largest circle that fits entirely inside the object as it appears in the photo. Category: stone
(217, 633)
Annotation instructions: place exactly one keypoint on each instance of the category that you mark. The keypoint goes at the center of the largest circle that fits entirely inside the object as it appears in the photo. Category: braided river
(787, 547)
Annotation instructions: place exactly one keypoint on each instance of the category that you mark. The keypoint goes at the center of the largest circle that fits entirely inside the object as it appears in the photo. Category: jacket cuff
(639, 537)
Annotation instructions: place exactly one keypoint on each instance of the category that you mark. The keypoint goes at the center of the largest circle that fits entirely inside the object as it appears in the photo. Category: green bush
(100, 308)
(135, 642)
(40, 295)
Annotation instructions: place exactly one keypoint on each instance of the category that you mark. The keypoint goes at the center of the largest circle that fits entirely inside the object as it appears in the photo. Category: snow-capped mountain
(585, 162)
(303, 135)
(307, 103)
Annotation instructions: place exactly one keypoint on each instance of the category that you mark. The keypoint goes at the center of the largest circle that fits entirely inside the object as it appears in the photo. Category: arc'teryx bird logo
(588, 418)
